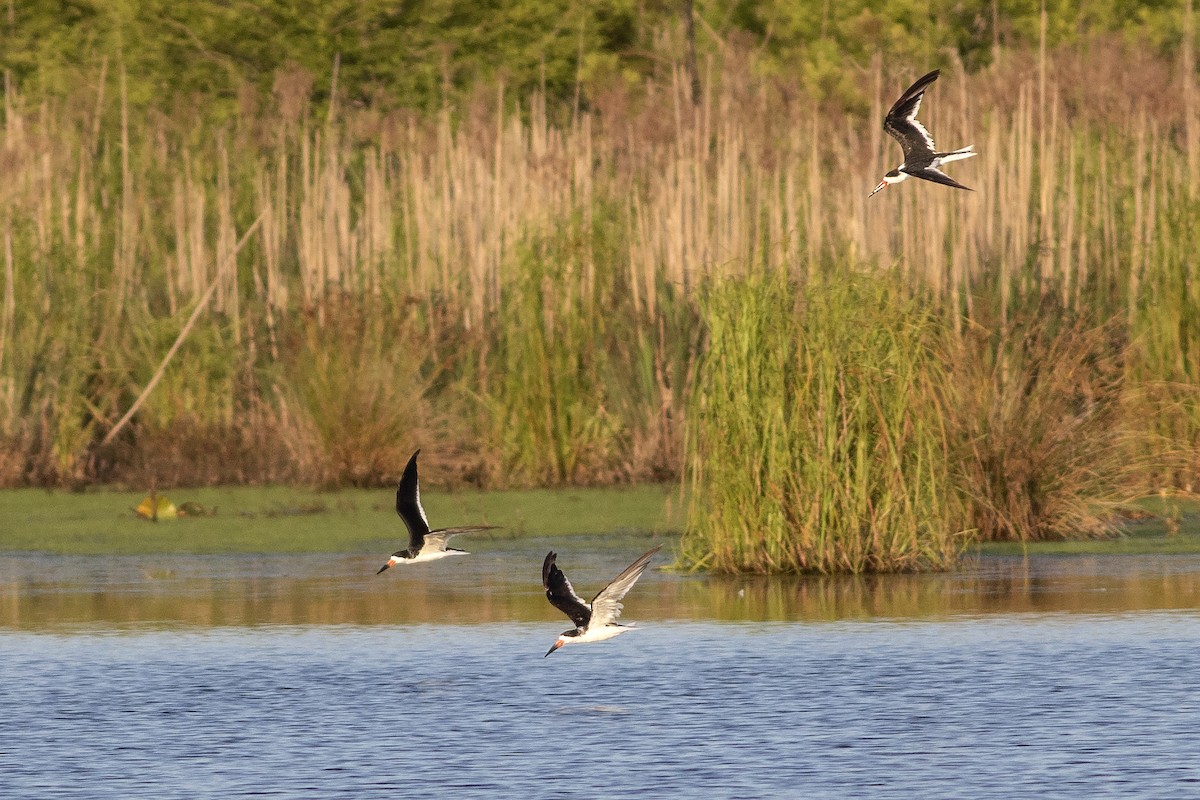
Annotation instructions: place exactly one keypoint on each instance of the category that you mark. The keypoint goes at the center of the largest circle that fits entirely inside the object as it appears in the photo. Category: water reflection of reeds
(1015, 586)
(482, 594)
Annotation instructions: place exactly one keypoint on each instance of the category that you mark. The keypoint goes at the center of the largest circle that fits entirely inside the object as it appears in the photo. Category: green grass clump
(816, 440)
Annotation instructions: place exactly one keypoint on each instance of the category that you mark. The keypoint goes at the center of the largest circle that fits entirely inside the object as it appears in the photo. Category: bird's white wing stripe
(912, 116)
(921, 130)
(421, 508)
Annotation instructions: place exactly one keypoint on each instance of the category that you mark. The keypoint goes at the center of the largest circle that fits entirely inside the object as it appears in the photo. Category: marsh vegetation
(646, 284)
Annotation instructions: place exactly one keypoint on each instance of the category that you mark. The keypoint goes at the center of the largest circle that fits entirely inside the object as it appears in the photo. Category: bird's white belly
(600, 634)
(433, 555)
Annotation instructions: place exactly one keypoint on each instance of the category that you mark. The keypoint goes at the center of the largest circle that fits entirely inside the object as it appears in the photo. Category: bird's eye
(894, 174)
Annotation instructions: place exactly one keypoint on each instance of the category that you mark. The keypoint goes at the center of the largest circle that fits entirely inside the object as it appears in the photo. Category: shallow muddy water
(308, 676)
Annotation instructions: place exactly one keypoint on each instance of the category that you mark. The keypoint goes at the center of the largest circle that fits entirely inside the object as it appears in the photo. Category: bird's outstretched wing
(561, 594)
(606, 605)
(937, 176)
(901, 122)
(408, 506)
(436, 540)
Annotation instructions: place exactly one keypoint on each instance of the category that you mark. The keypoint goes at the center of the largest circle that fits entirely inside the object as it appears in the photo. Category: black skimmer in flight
(423, 544)
(597, 620)
(921, 159)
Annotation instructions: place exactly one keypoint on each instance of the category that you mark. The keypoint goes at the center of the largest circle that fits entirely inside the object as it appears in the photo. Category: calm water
(269, 676)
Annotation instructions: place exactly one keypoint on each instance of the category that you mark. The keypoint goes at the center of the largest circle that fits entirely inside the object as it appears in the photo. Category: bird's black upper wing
(561, 594)
(937, 176)
(902, 124)
(408, 505)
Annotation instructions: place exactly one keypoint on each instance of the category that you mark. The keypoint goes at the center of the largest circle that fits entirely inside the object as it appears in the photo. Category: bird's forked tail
(957, 155)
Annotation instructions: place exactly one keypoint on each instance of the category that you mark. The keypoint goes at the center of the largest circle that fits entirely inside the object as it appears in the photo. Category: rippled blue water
(1046, 706)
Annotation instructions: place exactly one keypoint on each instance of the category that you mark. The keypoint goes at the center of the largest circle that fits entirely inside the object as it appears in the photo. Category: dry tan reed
(115, 222)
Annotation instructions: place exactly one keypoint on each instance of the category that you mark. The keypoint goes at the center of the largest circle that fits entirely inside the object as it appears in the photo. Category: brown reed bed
(520, 287)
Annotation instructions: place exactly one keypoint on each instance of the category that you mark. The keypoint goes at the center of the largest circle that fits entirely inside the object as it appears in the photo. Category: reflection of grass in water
(247, 589)
(252, 520)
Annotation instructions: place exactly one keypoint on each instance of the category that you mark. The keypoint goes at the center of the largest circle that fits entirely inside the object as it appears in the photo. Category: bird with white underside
(595, 621)
(921, 157)
(423, 544)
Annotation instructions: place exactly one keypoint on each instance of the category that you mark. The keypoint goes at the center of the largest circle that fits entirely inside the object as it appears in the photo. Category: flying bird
(921, 159)
(423, 544)
(597, 620)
